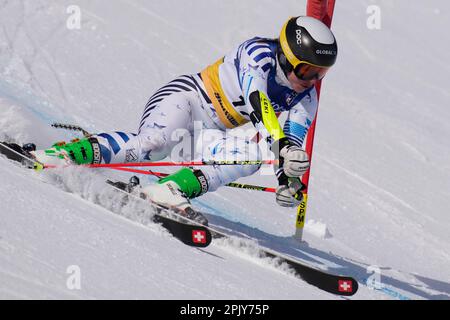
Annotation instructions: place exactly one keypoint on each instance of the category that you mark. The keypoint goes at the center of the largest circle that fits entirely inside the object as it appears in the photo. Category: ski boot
(175, 190)
(84, 151)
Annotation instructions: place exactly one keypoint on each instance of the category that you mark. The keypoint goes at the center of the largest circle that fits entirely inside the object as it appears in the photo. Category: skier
(252, 82)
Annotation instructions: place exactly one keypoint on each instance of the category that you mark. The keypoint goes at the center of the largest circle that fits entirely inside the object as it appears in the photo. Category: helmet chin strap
(280, 75)
(282, 60)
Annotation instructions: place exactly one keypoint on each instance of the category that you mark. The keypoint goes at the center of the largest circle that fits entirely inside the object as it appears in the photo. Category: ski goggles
(307, 72)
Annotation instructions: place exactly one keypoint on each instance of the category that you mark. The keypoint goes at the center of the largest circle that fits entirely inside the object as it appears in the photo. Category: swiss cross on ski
(345, 286)
(198, 236)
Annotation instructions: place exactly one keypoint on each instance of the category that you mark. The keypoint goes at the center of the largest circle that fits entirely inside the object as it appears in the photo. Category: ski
(335, 284)
(16, 153)
(188, 233)
(183, 229)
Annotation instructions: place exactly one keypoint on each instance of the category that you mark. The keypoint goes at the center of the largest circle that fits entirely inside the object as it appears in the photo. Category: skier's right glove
(293, 160)
(289, 192)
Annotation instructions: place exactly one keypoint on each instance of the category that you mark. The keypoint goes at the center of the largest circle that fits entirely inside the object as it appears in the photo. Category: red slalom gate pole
(321, 10)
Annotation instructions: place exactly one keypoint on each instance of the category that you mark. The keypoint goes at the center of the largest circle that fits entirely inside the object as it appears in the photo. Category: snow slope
(380, 183)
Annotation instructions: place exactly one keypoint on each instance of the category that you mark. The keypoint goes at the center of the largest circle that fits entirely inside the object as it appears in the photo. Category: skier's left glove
(289, 192)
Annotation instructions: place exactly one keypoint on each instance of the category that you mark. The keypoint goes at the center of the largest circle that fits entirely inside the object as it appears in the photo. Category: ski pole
(71, 127)
(117, 166)
(174, 164)
(181, 164)
(157, 174)
(232, 184)
(251, 187)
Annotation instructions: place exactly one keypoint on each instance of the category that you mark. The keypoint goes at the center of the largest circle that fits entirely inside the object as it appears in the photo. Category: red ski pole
(232, 184)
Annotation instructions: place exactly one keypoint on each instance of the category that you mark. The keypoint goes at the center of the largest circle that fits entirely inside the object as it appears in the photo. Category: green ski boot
(84, 151)
(175, 190)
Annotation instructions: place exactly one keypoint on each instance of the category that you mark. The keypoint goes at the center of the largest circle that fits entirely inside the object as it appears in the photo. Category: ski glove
(289, 194)
(293, 160)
